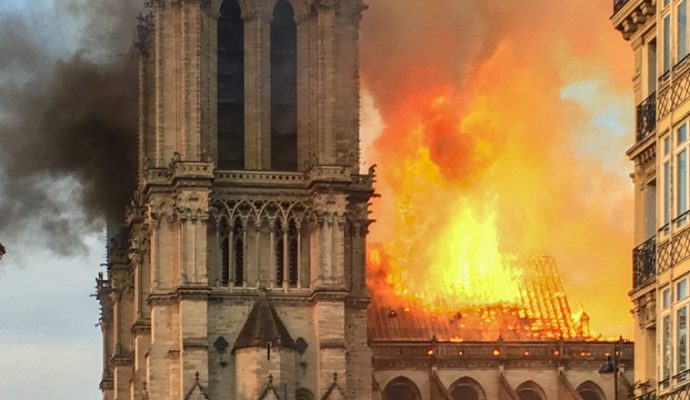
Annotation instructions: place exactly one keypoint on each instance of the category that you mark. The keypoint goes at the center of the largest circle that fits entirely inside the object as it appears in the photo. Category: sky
(50, 345)
(418, 91)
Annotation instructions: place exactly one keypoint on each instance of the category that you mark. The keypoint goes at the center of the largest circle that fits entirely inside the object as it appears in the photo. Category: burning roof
(540, 312)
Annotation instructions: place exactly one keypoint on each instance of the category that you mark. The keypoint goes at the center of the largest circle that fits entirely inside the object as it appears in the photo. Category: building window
(681, 289)
(666, 298)
(590, 391)
(401, 389)
(682, 30)
(238, 236)
(286, 263)
(682, 187)
(667, 196)
(462, 392)
(279, 252)
(230, 87)
(681, 170)
(667, 43)
(682, 343)
(650, 208)
(530, 391)
(666, 352)
(283, 88)
(466, 389)
(225, 261)
(293, 255)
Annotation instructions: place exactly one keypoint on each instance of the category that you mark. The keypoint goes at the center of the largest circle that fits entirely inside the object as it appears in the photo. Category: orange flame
(496, 147)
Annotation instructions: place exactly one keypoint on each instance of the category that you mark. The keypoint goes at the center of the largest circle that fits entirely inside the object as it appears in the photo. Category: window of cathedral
(279, 252)
(590, 391)
(530, 391)
(401, 389)
(283, 88)
(238, 252)
(465, 392)
(230, 86)
(292, 259)
(225, 261)
(286, 254)
(467, 389)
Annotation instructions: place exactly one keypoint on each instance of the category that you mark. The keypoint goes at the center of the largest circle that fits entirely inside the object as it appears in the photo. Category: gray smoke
(68, 118)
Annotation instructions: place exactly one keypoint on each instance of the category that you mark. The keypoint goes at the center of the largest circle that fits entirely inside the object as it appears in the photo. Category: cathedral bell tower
(243, 273)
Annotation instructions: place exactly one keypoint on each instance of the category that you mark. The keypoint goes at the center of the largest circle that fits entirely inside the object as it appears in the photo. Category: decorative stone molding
(632, 15)
(645, 310)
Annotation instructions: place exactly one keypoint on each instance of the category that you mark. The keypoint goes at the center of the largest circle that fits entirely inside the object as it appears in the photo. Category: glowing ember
(539, 310)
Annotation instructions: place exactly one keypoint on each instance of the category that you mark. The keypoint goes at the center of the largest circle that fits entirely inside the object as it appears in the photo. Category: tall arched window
(590, 391)
(464, 392)
(293, 257)
(238, 238)
(530, 391)
(401, 388)
(230, 86)
(467, 389)
(283, 88)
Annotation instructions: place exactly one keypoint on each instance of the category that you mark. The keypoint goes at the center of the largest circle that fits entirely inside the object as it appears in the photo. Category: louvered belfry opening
(283, 88)
(230, 87)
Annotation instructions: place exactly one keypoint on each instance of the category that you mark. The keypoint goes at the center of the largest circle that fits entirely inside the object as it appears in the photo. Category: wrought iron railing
(646, 117)
(618, 4)
(647, 396)
(678, 393)
(644, 262)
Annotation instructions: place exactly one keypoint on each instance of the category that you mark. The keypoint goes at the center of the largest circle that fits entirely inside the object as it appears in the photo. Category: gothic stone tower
(243, 273)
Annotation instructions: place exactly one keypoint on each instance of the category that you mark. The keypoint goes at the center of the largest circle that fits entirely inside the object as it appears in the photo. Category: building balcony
(618, 4)
(644, 263)
(647, 396)
(646, 117)
(677, 393)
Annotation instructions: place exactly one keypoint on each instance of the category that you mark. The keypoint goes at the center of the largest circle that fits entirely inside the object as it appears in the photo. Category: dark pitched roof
(263, 325)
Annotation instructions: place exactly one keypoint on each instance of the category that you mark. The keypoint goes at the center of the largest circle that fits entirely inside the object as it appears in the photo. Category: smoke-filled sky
(516, 110)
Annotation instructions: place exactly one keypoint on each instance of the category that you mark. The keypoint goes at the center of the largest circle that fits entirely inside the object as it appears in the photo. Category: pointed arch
(283, 88)
(401, 388)
(589, 390)
(238, 249)
(230, 112)
(467, 388)
(530, 390)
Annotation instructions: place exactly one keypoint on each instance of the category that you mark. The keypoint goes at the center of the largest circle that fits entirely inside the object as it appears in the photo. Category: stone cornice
(633, 15)
(523, 355)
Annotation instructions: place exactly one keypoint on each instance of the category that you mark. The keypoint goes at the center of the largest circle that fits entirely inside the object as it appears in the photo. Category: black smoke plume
(68, 119)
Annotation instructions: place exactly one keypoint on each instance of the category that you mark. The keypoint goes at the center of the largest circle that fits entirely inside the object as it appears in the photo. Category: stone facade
(537, 370)
(202, 244)
(657, 34)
